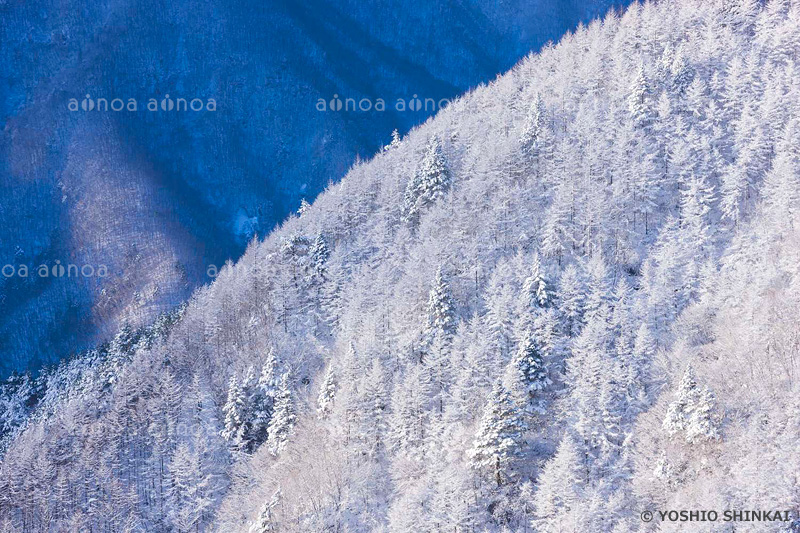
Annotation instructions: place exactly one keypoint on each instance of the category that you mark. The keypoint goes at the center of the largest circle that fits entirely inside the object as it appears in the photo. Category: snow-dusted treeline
(568, 298)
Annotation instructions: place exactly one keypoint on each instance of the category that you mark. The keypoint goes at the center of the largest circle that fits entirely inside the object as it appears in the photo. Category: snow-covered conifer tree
(265, 523)
(530, 363)
(679, 410)
(327, 392)
(234, 415)
(304, 207)
(571, 300)
(535, 285)
(560, 488)
(693, 411)
(639, 101)
(441, 310)
(283, 418)
(319, 256)
(702, 424)
(499, 439)
(429, 183)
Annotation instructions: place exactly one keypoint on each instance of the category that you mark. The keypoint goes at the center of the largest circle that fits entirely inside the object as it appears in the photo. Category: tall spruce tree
(327, 392)
(441, 310)
(283, 418)
(528, 359)
(234, 415)
(499, 440)
(429, 184)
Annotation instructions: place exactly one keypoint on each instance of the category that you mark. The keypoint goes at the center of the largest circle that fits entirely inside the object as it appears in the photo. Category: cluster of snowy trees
(567, 298)
(259, 410)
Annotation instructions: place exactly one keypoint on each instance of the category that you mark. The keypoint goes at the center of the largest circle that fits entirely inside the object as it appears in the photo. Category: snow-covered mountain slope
(568, 298)
(158, 196)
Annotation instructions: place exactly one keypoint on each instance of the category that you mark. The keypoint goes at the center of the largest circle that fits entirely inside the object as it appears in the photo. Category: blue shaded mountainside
(158, 196)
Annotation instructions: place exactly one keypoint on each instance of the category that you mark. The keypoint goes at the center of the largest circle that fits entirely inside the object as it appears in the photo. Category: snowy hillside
(158, 195)
(569, 298)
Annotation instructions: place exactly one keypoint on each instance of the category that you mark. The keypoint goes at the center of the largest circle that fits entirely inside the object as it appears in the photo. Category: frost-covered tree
(319, 256)
(559, 488)
(572, 296)
(266, 522)
(782, 182)
(535, 285)
(441, 309)
(640, 106)
(498, 321)
(679, 410)
(536, 138)
(262, 399)
(696, 204)
(283, 418)
(409, 420)
(327, 392)
(430, 182)
(528, 359)
(702, 424)
(498, 442)
(233, 409)
(185, 489)
(373, 408)
(304, 207)
(693, 411)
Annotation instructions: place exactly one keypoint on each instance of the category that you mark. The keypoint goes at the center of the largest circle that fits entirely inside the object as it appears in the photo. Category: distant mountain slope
(569, 298)
(157, 197)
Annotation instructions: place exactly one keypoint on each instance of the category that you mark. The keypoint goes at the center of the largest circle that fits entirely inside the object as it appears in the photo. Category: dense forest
(568, 298)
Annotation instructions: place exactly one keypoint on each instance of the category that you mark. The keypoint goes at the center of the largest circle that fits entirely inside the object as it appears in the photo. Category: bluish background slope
(159, 196)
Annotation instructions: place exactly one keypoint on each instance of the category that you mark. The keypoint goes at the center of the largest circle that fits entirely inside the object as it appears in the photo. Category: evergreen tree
(439, 372)
(782, 183)
(696, 204)
(498, 442)
(639, 104)
(396, 140)
(429, 184)
(682, 74)
(234, 415)
(409, 419)
(556, 233)
(374, 410)
(532, 130)
(530, 363)
(535, 140)
(269, 379)
(304, 207)
(679, 410)
(545, 330)
(319, 256)
(283, 418)
(262, 399)
(535, 286)
(560, 488)
(572, 297)
(327, 392)
(441, 310)
(702, 425)
(644, 349)
(266, 518)
(599, 288)
(498, 321)
(693, 411)
(184, 490)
